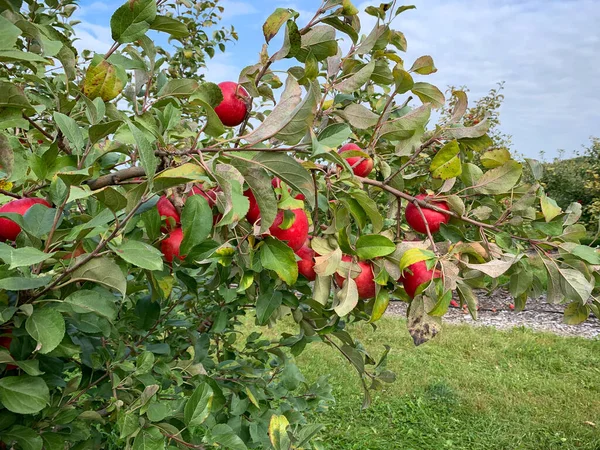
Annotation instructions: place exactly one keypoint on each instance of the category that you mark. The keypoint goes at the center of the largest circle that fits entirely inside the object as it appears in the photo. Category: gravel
(495, 312)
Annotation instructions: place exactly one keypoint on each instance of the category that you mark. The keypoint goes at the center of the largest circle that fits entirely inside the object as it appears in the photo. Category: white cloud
(92, 37)
(547, 53)
(223, 67)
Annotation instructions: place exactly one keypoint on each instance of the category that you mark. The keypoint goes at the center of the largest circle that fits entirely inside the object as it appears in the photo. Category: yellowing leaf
(446, 163)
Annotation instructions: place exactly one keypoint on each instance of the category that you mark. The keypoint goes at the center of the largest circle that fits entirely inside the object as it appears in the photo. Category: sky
(546, 51)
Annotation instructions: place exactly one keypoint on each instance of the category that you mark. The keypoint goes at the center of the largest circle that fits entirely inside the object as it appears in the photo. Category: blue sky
(547, 52)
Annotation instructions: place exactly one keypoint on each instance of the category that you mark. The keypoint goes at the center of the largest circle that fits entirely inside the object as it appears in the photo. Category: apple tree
(149, 219)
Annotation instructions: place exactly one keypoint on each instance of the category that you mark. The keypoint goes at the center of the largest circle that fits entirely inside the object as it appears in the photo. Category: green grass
(470, 388)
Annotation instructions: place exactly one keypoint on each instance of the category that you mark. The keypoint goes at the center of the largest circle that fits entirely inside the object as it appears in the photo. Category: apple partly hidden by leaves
(170, 245)
(234, 107)
(434, 218)
(416, 275)
(365, 282)
(361, 166)
(167, 211)
(306, 266)
(296, 234)
(210, 195)
(9, 230)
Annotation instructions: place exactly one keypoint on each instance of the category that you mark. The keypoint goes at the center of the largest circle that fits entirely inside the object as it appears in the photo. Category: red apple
(170, 245)
(434, 218)
(210, 195)
(306, 266)
(454, 303)
(234, 107)
(168, 211)
(5, 342)
(365, 282)
(415, 275)
(512, 306)
(295, 235)
(253, 213)
(363, 168)
(9, 230)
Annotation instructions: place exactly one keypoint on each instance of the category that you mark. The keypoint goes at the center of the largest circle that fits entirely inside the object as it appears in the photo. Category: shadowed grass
(470, 388)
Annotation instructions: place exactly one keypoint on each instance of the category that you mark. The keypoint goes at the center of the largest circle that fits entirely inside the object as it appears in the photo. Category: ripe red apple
(233, 108)
(253, 213)
(306, 266)
(454, 303)
(170, 245)
(434, 218)
(365, 283)
(295, 235)
(210, 195)
(362, 169)
(9, 230)
(415, 275)
(169, 213)
(5, 342)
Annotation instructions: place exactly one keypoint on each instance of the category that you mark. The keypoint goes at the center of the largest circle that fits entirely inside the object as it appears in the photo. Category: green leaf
(197, 408)
(178, 175)
(371, 246)
(359, 116)
(103, 80)
(576, 313)
(441, 306)
(9, 34)
(415, 255)
(446, 163)
(140, 254)
(549, 208)
(175, 28)
(428, 93)
(575, 286)
(7, 157)
(12, 97)
(260, 185)
(23, 284)
(196, 221)
(290, 171)
(423, 66)
(537, 168)
(495, 158)
(583, 252)
(277, 256)
(24, 394)
(408, 125)
(179, 87)
(18, 55)
(214, 126)
(380, 306)
(266, 304)
(149, 439)
(47, 327)
(102, 270)
(276, 20)
(26, 438)
(474, 132)
(70, 130)
(347, 297)
(370, 207)
(500, 180)
(22, 257)
(402, 79)
(111, 198)
(132, 20)
(300, 120)
(101, 130)
(334, 135)
(281, 115)
(99, 301)
(278, 436)
(146, 151)
(493, 268)
(468, 297)
(224, 435)
(357, 80)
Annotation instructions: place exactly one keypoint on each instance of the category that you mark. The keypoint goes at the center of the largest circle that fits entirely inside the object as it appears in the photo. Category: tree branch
(9, 194)
(39, 128)
(116, 177)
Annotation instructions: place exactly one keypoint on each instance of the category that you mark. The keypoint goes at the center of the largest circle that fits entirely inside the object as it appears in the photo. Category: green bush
(577, 180)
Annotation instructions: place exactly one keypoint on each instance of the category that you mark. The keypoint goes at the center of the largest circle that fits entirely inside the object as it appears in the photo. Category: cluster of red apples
(232, 111)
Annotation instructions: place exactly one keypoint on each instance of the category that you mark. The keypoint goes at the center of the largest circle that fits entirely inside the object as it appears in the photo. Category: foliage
(109, 347)
(577, 180)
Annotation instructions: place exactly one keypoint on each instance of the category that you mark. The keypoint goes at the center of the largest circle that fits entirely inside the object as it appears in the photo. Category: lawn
(470, 388)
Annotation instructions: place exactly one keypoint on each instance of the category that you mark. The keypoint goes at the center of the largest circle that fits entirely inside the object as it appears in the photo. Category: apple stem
(429, 235)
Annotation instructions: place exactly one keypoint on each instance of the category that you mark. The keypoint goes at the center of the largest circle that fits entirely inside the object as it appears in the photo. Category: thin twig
(37, 127)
